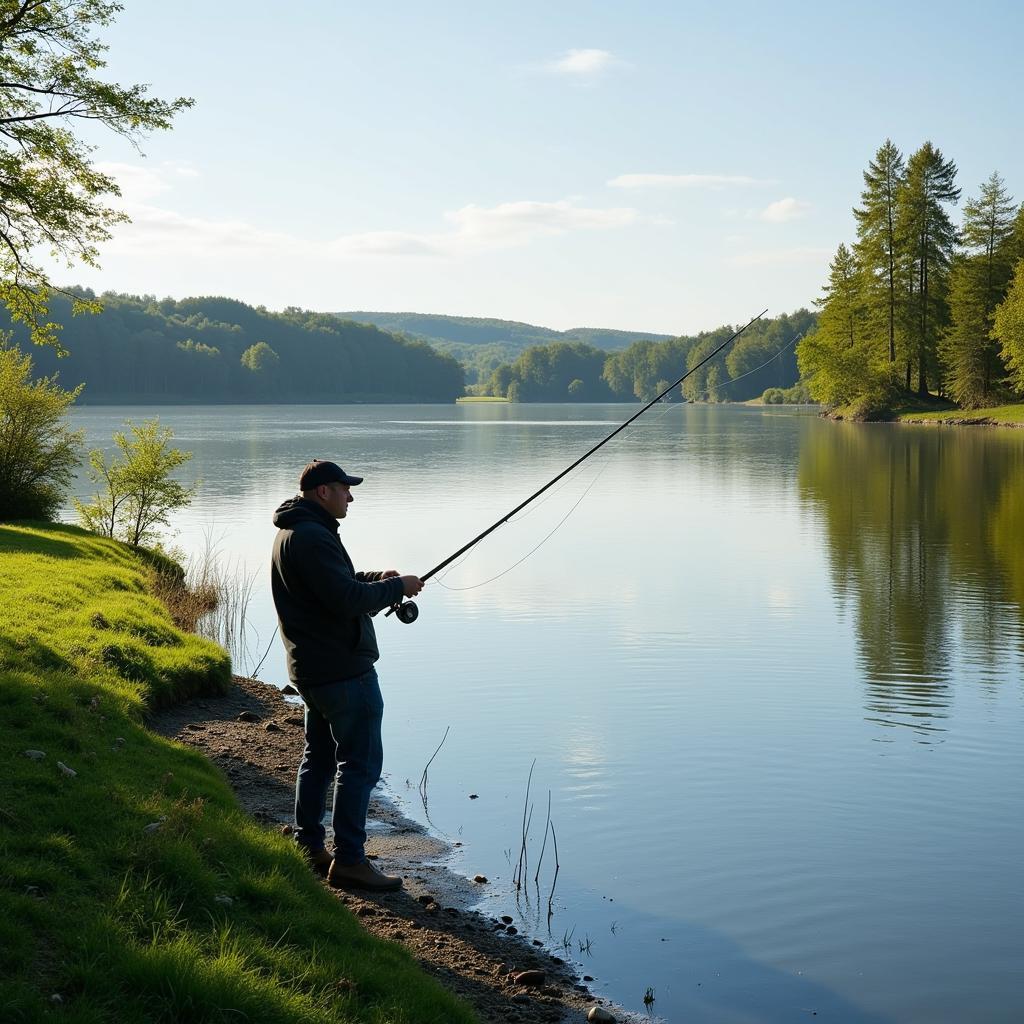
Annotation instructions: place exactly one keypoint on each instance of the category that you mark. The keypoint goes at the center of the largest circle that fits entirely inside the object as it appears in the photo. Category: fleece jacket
(323, 604)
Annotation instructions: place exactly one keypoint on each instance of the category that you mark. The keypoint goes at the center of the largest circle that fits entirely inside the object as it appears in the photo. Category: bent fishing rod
(408, 612)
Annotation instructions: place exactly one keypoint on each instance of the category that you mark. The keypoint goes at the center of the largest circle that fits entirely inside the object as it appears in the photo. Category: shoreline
(480, 958)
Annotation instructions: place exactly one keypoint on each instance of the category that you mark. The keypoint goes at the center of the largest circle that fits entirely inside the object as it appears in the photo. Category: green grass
(994, 414)
(205, 917)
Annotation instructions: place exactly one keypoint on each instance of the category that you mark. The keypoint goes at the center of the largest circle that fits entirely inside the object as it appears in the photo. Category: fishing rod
(408, 612)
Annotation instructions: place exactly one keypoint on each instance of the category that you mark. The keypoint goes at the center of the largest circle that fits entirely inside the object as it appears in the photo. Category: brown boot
(319, 860)
(361, 876)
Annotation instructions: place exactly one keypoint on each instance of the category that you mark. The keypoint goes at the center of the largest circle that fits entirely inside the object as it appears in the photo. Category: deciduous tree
(38, 453)
(51, 195)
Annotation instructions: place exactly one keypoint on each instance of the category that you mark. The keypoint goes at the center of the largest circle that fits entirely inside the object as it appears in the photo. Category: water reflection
(923, 529)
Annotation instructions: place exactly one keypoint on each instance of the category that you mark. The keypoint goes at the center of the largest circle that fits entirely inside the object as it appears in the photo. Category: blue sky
(656, 166)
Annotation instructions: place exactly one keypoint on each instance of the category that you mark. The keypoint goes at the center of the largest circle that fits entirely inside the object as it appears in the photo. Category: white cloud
(684, 180)
(471, 229)
(784, 209)
(582, 63)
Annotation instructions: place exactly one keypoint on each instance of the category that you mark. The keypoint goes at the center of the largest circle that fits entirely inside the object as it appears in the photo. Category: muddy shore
(254, 734)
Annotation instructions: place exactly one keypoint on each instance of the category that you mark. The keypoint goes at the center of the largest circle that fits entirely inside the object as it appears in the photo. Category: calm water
(769, 670)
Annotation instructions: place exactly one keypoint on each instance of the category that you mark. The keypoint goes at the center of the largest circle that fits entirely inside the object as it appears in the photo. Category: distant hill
(482, 344)
(216, 349)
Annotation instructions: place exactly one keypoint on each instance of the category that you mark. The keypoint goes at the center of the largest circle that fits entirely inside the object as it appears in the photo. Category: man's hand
(412, 584)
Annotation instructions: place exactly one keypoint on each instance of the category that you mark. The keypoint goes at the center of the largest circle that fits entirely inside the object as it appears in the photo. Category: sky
(664, 167)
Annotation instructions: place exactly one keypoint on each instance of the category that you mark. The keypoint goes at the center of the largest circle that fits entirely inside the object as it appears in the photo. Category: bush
(38, 453)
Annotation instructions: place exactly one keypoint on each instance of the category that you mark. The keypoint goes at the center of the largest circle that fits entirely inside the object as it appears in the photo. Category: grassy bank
(1008, 415)
(135, 889)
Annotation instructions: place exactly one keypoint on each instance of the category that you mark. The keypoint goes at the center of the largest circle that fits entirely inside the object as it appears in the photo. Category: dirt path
(470, 953)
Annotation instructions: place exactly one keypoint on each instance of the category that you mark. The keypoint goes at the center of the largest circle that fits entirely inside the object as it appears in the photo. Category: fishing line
(408, 612)
(666, 406)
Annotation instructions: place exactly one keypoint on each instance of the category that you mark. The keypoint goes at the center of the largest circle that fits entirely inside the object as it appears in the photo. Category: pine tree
(877, 245)
(928, 237)
(837, 360)
(978, 282)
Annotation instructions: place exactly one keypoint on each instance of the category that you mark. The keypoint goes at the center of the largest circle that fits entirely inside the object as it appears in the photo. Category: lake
(768, 667)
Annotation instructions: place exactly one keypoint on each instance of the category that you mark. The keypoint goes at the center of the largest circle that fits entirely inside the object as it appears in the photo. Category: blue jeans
(342, 741)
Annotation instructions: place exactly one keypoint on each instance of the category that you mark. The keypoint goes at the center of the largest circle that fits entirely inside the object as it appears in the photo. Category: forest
(482, 344)
(762, 360)
(215, 349)
(920, 306)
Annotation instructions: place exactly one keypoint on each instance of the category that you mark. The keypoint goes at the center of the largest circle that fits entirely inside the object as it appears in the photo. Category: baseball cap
(319, 471)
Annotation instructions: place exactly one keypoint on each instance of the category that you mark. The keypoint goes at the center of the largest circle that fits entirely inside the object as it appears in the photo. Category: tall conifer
(929, 237)
(978, 282)
(876, 246)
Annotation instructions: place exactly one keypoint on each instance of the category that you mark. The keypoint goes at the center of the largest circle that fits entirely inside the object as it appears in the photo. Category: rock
(65, 770)
(272, 727)
(247, 716)
(520, 997)
(289, 691)
(511, 930)
(482, 879)
(35, 755)
(506, 919)
(599, 1015)
(588, 977)
(473, 796)
(366, 912)
(537, 942)
(425, 899)
(296, 720)
(529, 979)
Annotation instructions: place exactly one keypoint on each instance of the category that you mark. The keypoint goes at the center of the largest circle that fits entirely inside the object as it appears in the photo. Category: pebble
(599, 1015)
(272, 727)
(35, 755)
(248, 716)
(530, 979)
(69, 772)
(482, 879)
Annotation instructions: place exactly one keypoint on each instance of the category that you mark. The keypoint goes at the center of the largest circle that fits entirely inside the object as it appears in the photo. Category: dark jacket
(323, 604)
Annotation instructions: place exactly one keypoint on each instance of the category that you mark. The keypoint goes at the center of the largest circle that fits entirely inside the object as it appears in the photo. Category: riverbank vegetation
(213, 349)
(918, 305)
(134, 888)
(762, 358)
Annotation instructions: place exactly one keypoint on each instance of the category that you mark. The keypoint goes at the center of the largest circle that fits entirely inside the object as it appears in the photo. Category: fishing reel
(406, 611)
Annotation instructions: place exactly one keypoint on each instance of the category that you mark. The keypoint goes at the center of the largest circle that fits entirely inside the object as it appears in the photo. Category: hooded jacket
(323, 604)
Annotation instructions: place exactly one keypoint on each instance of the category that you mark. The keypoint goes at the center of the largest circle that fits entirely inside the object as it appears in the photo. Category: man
(324, 608)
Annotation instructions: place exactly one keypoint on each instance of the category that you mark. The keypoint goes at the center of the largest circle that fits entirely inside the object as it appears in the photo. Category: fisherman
(324, 608)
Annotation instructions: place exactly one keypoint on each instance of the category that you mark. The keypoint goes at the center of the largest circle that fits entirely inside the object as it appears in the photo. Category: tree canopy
(52, 197)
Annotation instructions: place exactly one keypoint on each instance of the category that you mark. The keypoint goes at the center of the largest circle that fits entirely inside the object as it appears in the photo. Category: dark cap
(320, 472)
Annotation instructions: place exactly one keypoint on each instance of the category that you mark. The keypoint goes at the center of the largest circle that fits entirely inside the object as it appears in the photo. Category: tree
(877, 246)
(1008, 329)
(137, 492)
(51, 195)
(929, 238)
(978, 282)
(837, 359)
(38, 453)
(259, 357)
